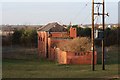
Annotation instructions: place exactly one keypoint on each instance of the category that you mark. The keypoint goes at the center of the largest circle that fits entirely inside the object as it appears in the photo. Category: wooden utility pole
(103, 19)
(93, 66)
(103, 23)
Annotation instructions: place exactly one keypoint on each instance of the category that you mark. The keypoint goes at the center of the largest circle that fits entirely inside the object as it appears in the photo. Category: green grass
(111, 56)
(30, 66)
(42, 68)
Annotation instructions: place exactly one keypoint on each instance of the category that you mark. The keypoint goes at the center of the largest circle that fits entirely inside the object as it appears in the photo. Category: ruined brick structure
(49, 34)
(52, 34)
(66, 57)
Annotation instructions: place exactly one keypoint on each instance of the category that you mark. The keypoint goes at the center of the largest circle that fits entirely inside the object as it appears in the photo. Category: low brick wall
(52, 54)
(61, 57)
(75, 58)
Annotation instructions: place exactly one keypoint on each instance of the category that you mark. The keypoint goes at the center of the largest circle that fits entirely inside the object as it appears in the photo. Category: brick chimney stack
(73, 31)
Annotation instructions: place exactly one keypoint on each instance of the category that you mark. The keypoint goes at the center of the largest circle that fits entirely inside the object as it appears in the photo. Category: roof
(53, 27)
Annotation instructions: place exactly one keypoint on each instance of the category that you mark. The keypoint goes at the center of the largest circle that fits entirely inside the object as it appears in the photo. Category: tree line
(24, 37)
(111, 35)
(28, 37)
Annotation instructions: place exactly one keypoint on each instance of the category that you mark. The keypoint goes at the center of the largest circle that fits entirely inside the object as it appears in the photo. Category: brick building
(49, 35)
(48, 38)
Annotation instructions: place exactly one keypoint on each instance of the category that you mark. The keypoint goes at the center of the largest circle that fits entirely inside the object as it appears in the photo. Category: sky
(119, 13)
(61, 11)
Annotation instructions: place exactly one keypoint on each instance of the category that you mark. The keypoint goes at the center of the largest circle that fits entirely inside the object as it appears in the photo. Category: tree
(86, 32)
(29, 37)
(26, 37)
(17, 36)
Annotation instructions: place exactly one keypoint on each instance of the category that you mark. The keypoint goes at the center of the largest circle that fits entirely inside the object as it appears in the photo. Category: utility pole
(103, 19)
(103, 24)
(93, 59)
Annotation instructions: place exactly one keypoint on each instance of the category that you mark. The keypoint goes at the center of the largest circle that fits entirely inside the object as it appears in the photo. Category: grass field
(24, 63)
(40, 69)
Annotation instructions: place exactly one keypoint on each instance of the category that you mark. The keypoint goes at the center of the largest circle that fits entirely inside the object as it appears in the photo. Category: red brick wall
(73, 32)
(53, 54)
(82, 58)
(42, 41)
(59, 34)
(78, 58)
(61, 57)
(51, 49)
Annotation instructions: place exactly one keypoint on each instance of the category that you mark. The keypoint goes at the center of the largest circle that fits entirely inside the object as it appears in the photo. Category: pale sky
(62, 11)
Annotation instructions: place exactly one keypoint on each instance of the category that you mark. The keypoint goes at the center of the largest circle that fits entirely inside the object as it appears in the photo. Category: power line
(80, 11)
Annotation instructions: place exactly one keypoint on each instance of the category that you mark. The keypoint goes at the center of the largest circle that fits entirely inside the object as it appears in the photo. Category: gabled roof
(53, 27)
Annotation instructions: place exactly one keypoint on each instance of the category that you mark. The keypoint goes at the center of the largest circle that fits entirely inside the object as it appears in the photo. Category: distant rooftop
(53, 27)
